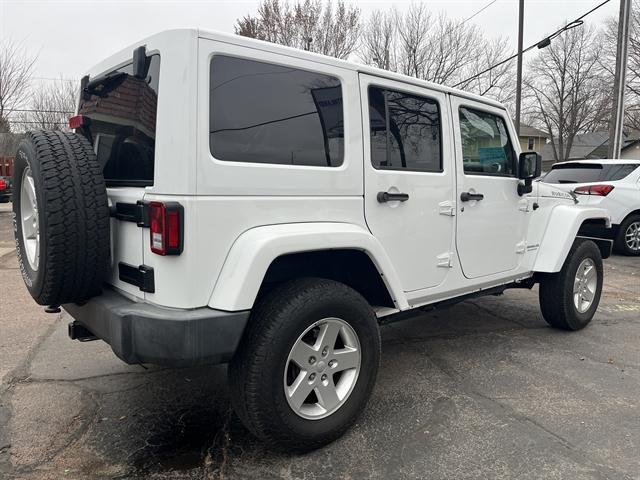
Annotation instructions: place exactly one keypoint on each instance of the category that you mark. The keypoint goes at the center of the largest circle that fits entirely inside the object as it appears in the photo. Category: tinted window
(405, 131)
(587, 172)
(123, 124)
(618, 172)
(265, 113)
(486, 146)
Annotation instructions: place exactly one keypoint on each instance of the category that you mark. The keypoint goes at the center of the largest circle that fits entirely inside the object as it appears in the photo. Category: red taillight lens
(166, 228)
(599, 190)
(76, 122)
(3, 184)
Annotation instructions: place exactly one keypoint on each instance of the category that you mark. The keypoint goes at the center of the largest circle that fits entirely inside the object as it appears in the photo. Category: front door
(409, 184)
(491, 220)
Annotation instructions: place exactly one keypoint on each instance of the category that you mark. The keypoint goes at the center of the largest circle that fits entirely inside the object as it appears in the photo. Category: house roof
(529, 131)
(592, 145)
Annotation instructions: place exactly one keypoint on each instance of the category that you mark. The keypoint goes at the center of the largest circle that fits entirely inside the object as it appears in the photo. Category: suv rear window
(123, 124)
(588, 172)
(266, 113)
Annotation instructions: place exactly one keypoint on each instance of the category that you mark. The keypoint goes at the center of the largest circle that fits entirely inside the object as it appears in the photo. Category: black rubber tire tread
(263, 335)
(74, 218)
(619, 244)
(556, 289)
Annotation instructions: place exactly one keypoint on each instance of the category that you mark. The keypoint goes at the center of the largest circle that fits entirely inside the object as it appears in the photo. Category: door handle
(466, 196)
(392, 197)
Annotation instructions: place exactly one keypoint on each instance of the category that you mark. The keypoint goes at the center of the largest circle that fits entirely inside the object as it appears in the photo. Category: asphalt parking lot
(481, 390)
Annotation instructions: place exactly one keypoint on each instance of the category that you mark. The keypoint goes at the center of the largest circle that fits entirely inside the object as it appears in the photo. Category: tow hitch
(80, 332)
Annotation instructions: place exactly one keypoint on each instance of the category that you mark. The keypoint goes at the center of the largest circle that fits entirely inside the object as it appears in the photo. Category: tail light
(78, 121)
(599, 190)
(3, 184)
(166, 223)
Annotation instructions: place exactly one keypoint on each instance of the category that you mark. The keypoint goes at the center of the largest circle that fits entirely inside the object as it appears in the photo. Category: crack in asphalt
(500, 409)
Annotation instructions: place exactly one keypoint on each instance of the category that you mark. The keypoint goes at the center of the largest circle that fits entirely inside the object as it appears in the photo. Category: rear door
(121, 113)
(408, 172)
(492, 217)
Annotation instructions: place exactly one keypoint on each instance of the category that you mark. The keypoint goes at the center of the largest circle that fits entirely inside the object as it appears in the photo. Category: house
(594, 145)
(531, 139)
(631, 151)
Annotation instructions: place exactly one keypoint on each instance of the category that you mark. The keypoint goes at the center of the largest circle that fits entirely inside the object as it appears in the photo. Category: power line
(19, 122)
(54, 79)
(480, 11)
(541, 44)
(30, 110)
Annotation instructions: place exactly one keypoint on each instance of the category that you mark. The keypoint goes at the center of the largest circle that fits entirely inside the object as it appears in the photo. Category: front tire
(569, 299)
(306, 365)
(627, 240)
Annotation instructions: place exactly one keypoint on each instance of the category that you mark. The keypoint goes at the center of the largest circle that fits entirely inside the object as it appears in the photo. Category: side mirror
(529, 167)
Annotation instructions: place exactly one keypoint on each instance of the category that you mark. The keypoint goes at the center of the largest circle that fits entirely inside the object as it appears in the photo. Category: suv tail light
(166, 223)
(599, 190)
(3, 184)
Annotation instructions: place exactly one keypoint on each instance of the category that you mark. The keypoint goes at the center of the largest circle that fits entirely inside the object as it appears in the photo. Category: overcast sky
(71, 35)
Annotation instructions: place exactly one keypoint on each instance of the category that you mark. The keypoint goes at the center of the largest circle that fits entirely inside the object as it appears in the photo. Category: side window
(618, 172)
(405, 131)
(486, 146)
(265, 113)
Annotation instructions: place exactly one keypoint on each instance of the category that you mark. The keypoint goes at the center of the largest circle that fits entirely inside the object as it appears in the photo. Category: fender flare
(560, 233)
(254, 250)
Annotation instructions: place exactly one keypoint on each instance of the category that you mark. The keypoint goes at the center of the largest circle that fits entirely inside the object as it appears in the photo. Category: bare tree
(438, 49)
(608, 41)
(51, 106)
(16, 66)
(378, 47)
(499, 82)
(307, 25)
(565, 91)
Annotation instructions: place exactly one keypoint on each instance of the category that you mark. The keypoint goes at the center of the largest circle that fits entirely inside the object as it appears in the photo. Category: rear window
(266, 113)
(588, 172)
(123, 124)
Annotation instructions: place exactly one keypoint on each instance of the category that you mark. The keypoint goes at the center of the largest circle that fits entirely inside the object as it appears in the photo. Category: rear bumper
(144, 333)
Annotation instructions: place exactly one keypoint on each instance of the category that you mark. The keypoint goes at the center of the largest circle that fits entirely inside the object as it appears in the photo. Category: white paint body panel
(239, 217)
(243, 270)
(623, 199)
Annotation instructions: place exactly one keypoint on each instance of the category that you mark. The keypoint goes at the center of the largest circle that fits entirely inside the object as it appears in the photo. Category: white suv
(228, 200)
(610, 184)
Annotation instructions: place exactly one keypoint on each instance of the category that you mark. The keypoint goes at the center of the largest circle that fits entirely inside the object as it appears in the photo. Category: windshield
(588, 172)
(122, 109)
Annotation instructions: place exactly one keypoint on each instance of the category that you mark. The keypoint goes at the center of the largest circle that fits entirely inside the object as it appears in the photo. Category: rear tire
(627, 241)
(259, 371)
(569, 299)
(64, 249)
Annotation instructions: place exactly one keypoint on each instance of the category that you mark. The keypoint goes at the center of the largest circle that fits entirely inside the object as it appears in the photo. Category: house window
(530, 144)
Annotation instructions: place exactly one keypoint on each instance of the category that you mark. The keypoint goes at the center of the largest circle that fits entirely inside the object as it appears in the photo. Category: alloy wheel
(632, 236)
(322, 368)
(29, 219)
(585, 285)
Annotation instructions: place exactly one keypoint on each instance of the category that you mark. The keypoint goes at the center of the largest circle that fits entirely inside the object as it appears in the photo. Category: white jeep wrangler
(228, 200)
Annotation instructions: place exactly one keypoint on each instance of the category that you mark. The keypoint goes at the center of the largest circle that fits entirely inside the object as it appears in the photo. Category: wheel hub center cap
(320, 366)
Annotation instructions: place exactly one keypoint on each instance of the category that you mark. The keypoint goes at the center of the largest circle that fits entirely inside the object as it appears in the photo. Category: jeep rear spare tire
(61, 217)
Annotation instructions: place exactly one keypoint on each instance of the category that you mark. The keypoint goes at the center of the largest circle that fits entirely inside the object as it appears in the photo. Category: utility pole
(519, 74)
(616, 123)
